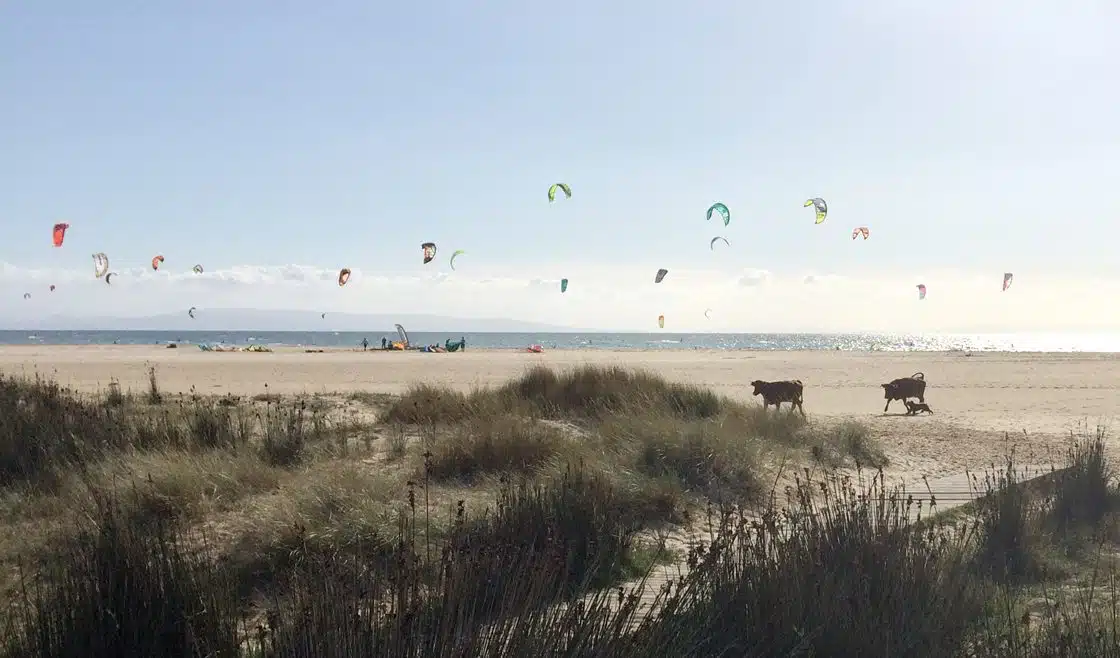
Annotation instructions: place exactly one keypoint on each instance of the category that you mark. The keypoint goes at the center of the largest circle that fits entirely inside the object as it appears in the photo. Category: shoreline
(283, 348)
(1019, 343)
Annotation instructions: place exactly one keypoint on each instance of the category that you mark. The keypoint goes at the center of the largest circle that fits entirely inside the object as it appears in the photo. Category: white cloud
(604, 297)
(821, 279)
(753, 277)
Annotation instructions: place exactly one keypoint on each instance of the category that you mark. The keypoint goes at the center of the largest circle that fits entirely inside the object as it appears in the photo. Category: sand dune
(1035, 399)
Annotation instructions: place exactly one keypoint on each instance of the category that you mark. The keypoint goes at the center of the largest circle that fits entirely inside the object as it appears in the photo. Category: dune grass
(509, 521)
(715, 447)
(585, 392)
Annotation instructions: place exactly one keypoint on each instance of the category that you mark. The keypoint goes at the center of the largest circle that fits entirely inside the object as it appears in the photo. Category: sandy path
(976, 399)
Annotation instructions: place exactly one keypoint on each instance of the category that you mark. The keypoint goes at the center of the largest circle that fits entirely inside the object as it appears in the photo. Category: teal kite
(723, 212)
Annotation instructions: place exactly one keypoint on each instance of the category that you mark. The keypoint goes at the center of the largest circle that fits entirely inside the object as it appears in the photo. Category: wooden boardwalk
(949, 492)
(961, 488)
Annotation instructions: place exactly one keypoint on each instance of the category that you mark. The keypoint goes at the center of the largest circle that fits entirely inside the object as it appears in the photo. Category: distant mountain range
(266, 320)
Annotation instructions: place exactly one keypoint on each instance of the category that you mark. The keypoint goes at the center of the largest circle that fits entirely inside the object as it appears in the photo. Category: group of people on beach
(385, 344)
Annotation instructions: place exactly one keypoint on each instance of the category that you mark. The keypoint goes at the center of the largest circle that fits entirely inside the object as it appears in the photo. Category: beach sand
(984, 404)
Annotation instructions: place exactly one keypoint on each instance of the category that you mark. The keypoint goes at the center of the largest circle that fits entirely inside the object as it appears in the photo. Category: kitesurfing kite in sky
(820, 206)
(559, 186)
(100, 264)
(59, 233)
(723, 212)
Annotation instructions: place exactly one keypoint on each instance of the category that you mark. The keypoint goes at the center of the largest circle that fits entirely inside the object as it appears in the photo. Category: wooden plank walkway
(949, 492)
(956, 490)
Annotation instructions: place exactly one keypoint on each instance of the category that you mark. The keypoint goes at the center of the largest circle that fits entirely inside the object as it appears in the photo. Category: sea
(1023, 342)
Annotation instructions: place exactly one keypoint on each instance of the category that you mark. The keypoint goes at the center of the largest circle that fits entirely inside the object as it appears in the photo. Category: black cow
(775, 393)
(915, 408)
(913, 386)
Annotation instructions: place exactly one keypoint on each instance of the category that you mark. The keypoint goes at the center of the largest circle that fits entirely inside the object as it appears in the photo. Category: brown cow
(913, 386)
(775, 393)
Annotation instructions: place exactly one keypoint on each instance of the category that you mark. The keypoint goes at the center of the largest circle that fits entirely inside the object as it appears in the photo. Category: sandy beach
(1034, 400)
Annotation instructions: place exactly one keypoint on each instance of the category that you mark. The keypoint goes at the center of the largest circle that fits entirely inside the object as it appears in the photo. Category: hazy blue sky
(972, 138)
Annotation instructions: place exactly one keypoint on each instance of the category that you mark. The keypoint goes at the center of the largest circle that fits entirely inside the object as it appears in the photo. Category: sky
(276, 142)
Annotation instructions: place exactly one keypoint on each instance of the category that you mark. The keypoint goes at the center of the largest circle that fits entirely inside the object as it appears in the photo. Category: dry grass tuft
(503, 444)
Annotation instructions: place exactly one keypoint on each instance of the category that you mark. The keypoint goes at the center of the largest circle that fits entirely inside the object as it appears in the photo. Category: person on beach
(384, 342)
(365, 344)
(463, 342)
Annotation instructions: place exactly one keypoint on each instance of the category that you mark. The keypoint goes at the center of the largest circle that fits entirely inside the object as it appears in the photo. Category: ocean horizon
(886, 342)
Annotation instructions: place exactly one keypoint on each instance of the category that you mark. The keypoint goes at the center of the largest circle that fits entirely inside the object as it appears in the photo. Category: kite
(860, 230)
(708, 313)
(156, 262)
(59, 233)
(343, 276)
(108, 276)
(820, 206)
(921, 291)
(429, 249)
(712, 244)
(100, 264)
(323, 316)
(403, 335)
(27, 295)
(559, 186)
(661, 321)
(457, 252)
(723, 212)
(1007, 276)
(660, 275)
(191, 312)
(197, 269)
(563, 285)
(52, 287)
